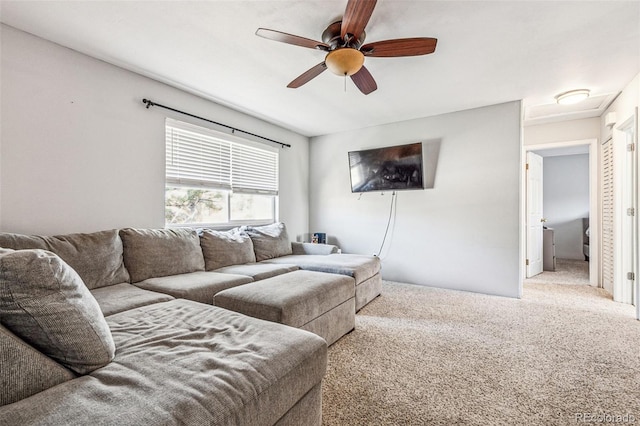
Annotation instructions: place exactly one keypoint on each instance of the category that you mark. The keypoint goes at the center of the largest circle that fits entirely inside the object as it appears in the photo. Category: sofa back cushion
(96, 257)
(269, 241)
(25, 371)
(150, 253)
(226, 248)
(45, 303)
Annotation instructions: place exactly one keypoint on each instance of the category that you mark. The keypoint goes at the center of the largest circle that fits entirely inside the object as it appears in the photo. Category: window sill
(220, 226)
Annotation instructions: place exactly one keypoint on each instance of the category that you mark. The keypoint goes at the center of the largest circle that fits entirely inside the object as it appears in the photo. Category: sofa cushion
(25, 371)
(124, 296)
(44, 302)
(96, 257)
(182, 362)
(269, 241)
(358, 266)
(258, 271)
(150, 253)
(198, 286)
(227, 248)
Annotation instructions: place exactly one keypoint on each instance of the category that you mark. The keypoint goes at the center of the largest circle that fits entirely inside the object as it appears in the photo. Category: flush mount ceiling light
(572, 96)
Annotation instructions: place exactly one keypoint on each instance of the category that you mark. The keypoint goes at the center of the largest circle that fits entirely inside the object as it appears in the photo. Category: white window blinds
(246, 176)
(196, 156)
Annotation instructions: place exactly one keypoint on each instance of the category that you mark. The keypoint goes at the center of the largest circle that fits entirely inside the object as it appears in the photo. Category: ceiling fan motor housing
(331, 36)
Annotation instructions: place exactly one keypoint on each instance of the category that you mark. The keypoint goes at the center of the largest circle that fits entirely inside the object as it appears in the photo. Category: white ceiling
(488, 52)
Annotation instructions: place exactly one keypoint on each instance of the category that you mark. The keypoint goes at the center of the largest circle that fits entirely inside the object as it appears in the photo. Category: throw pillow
(150, 253)
(45, 303)
(269, 241)
(228, 248)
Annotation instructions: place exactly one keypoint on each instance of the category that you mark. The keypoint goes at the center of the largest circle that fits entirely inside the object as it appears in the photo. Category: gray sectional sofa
(119, 327)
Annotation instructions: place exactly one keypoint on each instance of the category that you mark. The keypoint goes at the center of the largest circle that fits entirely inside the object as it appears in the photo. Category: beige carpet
(568, 271)
(424, 356)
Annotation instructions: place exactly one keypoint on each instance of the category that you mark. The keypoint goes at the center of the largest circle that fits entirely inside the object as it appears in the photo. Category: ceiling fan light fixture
(572, 96)
(345, 61)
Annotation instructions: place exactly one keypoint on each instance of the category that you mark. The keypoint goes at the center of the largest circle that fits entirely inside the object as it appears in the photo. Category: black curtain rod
(150, 103)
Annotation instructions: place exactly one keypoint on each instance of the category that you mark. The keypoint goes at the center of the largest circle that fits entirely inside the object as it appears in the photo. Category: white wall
(571, 130)
(623, 106)
(81, 153)
(566, 201)
(462, 234)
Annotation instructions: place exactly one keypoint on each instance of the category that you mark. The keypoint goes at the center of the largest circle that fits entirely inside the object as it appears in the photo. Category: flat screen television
(391, 168)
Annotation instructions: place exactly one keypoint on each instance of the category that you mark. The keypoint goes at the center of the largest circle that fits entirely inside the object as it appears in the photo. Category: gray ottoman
(364, 269)
(318, 302)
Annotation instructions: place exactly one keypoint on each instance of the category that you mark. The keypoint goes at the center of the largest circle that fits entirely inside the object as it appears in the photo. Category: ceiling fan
(343, 42)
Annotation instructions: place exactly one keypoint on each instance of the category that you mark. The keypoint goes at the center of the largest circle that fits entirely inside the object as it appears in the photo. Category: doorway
(569, 218)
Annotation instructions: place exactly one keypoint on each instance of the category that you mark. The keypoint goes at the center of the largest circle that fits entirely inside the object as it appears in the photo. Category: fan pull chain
(345, 82)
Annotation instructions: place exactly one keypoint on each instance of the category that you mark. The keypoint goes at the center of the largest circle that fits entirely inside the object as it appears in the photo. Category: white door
(534, 214)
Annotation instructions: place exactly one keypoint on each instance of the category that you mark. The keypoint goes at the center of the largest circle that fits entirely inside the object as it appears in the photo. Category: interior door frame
(629, 175)
(594, 206)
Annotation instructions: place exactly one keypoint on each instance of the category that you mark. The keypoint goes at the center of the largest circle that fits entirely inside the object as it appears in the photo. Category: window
(217, 179)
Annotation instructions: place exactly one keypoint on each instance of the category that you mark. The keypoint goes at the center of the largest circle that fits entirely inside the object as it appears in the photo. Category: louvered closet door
(607, 215)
